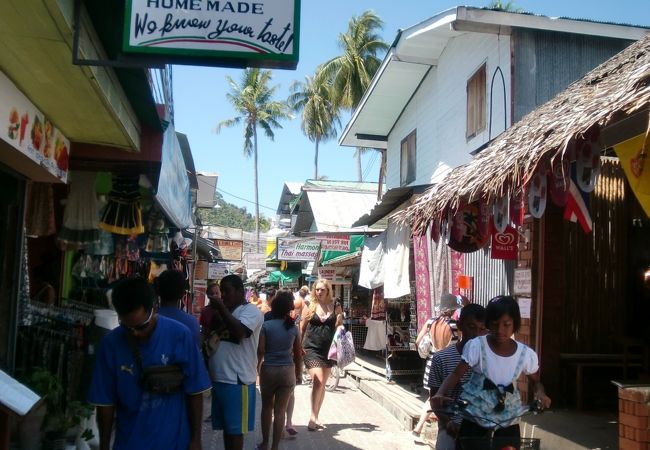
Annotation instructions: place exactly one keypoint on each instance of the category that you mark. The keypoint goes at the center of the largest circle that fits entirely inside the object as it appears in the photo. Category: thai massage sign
(27, 130)
(296, 249)
(260, 32)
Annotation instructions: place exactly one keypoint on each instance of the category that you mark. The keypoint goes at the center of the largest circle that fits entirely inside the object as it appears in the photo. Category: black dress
(318, 337)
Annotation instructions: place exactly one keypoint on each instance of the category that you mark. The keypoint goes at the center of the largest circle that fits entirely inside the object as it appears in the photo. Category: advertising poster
(27, 130)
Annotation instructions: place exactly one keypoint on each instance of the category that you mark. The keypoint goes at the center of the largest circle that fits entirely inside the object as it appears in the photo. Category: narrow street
(353, 420)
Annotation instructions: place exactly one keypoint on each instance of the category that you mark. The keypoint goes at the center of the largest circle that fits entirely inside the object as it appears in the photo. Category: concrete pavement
(353, 420)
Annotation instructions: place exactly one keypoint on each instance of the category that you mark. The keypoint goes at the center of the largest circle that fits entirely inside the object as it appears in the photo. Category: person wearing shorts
(233, 367)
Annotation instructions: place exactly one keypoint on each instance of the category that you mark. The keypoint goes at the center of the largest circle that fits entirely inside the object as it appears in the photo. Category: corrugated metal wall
(492, 277)
(546, 62)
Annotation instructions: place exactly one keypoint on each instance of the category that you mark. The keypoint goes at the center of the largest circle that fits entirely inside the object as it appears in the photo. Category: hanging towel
(396, 260)
(371, 272)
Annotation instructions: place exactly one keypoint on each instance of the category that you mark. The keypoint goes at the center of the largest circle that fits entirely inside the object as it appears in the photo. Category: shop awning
(173, 193)
(356, 245)
(389, 202)
(283, 276)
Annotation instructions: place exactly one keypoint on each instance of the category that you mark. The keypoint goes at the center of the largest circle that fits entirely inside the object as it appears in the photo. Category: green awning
(356, 245)
(283, 277)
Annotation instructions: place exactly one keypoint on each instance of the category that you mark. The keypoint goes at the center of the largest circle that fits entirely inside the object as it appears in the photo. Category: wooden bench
(600, 360)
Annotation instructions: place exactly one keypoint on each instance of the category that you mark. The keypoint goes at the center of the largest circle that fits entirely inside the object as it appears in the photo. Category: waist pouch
(162, 379)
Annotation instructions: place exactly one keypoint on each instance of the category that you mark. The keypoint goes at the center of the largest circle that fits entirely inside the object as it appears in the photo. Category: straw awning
(617, 89)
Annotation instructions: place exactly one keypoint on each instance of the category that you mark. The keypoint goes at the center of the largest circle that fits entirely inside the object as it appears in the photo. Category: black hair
(171, 285)
(234, 281)
(472, 311)
(282, 306)
(501, 305)
(130, 294)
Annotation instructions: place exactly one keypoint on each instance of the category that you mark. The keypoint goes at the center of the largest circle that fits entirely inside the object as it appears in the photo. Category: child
(496, 361)
(471, 323)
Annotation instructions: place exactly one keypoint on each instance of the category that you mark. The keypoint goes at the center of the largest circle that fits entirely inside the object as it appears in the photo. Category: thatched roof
(619, 86)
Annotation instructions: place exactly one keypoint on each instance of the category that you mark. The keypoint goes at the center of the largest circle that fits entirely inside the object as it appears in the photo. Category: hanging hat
(448, 302)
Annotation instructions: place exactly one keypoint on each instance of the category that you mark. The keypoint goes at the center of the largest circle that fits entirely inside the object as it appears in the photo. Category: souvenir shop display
(123, 213)
(80, 215)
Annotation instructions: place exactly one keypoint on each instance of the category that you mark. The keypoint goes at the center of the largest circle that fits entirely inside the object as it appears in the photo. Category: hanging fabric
(123, 213)
(39, 210)
(396, 261)
(371, 271)
(422, 278)
(80, 215)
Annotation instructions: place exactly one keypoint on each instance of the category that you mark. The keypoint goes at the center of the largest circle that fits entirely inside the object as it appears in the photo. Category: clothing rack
(35, 312)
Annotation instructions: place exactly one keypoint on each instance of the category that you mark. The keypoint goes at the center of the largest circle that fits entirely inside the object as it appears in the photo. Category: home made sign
(262, 33)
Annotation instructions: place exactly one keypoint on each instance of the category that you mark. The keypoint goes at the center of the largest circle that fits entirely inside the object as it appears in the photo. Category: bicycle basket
(499, 443)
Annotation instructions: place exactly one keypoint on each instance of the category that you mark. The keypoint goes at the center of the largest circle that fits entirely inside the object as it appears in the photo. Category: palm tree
(350, 73)
(319, 116)
(504, 6)
(253, 102)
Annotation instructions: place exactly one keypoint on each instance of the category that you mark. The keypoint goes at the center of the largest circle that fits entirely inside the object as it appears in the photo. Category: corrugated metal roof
(332, 210)
(332, 185)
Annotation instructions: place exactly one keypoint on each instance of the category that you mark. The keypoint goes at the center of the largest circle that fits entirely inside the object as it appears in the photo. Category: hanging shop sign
(296, 249)
(327, 273)
(255, 261)
(217, 271)
(504, 244)
(230, 250)
(27, 130)
(339, 243)
(258, 33)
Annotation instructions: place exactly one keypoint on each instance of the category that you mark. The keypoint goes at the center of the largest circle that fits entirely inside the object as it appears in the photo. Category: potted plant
(61, 419)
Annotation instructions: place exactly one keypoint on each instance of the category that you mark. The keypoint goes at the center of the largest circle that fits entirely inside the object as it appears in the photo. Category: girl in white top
(496, 361)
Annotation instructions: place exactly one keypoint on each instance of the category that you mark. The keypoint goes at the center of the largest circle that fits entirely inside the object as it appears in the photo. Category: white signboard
(27, 130)
(255, 261)
(217, 271)
(524, 306)
(256, 29)
(327, 273)
(335, 243)
(296, 249)
(523, 281)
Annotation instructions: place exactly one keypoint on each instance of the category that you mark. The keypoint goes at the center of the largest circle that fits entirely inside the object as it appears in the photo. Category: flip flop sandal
(291, 431)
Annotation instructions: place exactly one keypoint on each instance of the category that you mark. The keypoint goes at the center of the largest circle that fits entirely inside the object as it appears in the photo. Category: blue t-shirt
(186, 319)
(148, 421)
(279, 342)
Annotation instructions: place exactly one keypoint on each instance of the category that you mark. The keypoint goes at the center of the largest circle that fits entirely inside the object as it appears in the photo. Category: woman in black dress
(318, 324)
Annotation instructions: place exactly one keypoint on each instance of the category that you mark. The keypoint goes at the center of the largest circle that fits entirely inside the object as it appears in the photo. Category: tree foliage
(229, 215)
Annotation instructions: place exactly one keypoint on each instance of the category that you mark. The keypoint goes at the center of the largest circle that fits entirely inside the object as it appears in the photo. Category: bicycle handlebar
(459, 408)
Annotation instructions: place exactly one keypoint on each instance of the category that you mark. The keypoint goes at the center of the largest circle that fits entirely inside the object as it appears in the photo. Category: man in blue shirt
(171, 288)
(146, 420)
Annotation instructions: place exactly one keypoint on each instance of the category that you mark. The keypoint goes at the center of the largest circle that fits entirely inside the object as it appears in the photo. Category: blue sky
(200, 101)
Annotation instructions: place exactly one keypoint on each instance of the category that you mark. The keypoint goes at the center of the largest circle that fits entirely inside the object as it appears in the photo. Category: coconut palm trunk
(359, 175)
(255, 182)
(316, 160)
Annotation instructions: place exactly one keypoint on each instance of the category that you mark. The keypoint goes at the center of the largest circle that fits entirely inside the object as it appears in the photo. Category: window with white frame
(476, 104)
(407, 159)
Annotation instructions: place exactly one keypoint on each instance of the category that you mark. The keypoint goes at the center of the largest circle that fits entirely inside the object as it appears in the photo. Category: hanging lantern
(537, 195)
(558, 180)
(501, 213)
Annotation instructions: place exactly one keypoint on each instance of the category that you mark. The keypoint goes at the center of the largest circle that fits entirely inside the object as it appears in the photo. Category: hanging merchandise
(558, 180)
(80, 216)
(537, 195)
(577, 205)
(435, 230)
(470, 228)
(588, 163)
(123, 214)
(501, 213)
(517, 208)
(39, 210)
(157, 239)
